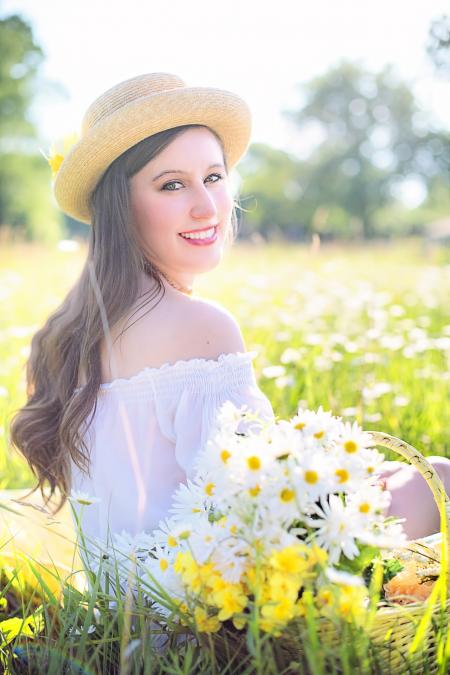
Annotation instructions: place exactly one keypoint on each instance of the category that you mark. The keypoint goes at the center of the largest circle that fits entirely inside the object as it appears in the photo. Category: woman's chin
(204, 263)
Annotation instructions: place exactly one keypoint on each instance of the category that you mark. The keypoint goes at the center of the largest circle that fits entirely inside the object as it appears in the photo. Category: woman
(120, 395)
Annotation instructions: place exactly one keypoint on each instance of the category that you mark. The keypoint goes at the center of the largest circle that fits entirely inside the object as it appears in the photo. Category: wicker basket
(394, 626)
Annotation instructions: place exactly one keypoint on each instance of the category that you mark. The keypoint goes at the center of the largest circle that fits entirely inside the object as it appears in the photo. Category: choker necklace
(184, 289)
(187, 290)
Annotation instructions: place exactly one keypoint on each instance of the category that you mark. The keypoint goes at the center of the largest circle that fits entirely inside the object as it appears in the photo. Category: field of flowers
(365, 332)
(362, 331)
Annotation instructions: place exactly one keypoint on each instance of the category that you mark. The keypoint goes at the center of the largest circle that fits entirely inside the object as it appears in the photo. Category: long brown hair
(48, 430)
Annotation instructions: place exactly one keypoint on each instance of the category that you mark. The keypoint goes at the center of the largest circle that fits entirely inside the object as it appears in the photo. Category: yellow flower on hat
(59, 150)
(55, 162)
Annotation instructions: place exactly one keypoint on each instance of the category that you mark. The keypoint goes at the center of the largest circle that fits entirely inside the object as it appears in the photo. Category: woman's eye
(173, 182)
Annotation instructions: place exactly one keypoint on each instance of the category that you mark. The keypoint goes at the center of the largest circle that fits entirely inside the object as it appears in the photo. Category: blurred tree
(374, 137)
(25, 202)
(20, 58)
(438, 47)
(270, 194)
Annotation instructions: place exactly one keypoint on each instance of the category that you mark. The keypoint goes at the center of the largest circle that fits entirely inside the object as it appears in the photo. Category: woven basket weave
(394, 626)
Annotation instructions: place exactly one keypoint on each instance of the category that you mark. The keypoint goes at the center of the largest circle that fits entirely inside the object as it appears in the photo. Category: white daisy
(321, 426)
(284, 499)
(203, 540)
(172, 533)
(158, 569)
(312, 475)
(352, 439)
(229, 417)
(192, 501)
(218, 450)
(368, 504)
(334, 529)
(346, 473)
(140, 543)
(374, 462)
(83, 498)
(229, 562)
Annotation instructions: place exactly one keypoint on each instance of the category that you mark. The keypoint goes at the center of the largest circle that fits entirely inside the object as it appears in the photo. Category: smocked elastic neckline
(179, 367)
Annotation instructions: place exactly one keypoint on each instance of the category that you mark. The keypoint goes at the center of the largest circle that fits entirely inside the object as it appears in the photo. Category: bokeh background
(340, 276)
(350, 101)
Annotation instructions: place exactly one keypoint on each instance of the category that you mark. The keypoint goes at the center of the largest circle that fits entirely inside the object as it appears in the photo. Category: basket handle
(429, 474)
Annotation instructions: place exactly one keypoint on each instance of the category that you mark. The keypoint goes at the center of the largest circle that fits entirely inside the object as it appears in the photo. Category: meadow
(363, 331)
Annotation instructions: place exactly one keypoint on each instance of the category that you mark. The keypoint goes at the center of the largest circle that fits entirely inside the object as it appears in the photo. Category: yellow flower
(347, 602)
(239, 622)
(59, 150)
(188, 569)
(282, 586)
(55, 162)
(351, 605)
(289, 560)
(230, 599)
(317, 555)
(280, 612)
(205, 623)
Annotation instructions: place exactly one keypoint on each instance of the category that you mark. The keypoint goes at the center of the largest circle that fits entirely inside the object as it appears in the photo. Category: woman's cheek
(226, 198)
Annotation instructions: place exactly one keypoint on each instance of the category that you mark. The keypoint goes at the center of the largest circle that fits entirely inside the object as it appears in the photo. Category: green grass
(362, 331)
(356, 317)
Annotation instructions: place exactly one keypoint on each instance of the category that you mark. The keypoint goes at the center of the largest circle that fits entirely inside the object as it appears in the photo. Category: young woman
(126, 376)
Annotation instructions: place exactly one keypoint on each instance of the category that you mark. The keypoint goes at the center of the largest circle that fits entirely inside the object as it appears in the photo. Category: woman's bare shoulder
(213, 329)
(177, 328)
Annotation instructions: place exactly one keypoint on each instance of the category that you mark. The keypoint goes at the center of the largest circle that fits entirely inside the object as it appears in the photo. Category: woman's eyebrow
(212, 166)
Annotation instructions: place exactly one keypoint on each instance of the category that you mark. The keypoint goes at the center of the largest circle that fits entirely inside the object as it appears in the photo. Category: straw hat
(134, 109)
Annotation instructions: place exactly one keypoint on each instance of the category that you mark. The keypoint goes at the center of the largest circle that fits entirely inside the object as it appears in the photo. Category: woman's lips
(201, 242)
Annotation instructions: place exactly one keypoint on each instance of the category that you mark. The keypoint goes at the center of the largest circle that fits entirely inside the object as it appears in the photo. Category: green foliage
(390, 569)
(25, 197)
(25, 194)
(20, 58)
(373, 137)
(360, 562)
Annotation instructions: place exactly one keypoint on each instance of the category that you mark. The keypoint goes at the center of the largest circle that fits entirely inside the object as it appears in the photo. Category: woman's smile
(203, 237)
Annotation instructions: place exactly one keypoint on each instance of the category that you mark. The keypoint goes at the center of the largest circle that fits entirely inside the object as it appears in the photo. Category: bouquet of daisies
(280, 517)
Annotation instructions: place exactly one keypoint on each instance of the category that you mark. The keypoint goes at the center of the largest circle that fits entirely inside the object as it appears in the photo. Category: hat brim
(226, 113)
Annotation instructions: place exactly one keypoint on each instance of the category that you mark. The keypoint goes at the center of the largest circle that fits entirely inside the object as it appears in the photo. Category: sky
(258, 49)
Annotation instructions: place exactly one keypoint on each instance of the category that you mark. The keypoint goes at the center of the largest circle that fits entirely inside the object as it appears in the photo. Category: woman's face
(192, 196)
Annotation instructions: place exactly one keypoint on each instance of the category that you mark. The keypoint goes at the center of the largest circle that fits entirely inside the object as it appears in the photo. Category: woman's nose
(204, 205)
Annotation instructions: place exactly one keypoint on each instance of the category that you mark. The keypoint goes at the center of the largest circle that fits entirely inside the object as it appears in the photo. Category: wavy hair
(49, 429)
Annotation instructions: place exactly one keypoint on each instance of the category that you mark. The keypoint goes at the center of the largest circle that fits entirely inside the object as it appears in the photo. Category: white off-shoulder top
(146, 431)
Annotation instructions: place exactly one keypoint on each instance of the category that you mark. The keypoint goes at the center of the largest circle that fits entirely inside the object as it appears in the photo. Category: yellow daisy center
(163, 564)
(171, 540)
(225, 456)
(350, 447)
(364, 507)
(254, 491)
(343, 475)
(209, 488)
(319, 434)
(254, 463)
(300, 425)
(311, 477)
(287, 495)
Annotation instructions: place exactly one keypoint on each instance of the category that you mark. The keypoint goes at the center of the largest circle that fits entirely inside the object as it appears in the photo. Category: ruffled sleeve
(230, 378)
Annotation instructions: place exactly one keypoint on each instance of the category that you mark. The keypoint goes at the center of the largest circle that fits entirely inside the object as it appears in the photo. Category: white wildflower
(83, 498)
